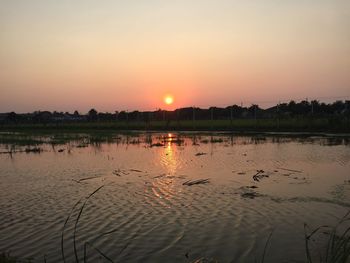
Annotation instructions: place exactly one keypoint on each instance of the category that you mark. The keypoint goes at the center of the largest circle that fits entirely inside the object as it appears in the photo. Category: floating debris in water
(120, 172)
(116, 173)
(136, 170)
(244, 188)
(160, 176)
(27, 150)
(158, 144)
(61, 150)
(199, 154)
(85, 179)
(135, 141)
(33, 150)
(250, 195)
(259, 175)
(216, 140)
(290, 170)
(194, 182)
(82, 145)
(205, 260)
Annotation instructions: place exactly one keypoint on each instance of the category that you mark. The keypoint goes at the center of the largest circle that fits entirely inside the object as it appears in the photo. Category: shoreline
(281, 133)
(238, 126)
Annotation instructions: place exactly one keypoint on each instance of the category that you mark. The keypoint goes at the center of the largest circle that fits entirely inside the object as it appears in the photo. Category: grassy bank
(259, 125)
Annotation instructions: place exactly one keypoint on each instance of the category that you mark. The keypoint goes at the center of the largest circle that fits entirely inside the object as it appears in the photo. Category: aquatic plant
(337, 249)
(75, 225)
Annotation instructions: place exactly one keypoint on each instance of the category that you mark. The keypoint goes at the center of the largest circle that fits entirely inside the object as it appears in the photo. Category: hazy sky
(113, 55)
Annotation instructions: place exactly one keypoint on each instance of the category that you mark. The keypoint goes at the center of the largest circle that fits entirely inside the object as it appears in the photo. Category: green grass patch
(306, 124)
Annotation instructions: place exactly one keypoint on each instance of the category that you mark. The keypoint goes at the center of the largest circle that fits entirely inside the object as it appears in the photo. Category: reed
(75, 225)
(77, 221)
(337, 249)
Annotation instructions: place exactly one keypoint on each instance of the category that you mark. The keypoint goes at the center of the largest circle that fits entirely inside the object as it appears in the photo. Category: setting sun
(168, 100)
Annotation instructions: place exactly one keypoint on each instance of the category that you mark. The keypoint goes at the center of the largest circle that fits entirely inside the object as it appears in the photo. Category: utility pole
(231, 116)
(193, 117)
(346, 112)
(127, 119)
(278, 115)
(255, 114)
(178, 120)
(151, 116)
(164, 119)
(212, 117)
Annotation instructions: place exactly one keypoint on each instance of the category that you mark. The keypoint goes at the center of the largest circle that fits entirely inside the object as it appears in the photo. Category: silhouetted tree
(335, 111)
(42, 116)
(105, 116)
(92, 115)
(337, 107)
(12, 117)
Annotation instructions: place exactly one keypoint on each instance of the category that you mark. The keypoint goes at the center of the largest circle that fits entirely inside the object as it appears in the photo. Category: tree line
(291, 109)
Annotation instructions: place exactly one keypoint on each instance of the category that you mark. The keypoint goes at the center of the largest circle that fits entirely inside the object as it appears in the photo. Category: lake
(170, 197)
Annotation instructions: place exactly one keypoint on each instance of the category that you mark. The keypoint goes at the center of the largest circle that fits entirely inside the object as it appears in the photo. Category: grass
(337, 249)
(75, 231)
(36, 138)
(19, 139)
(16, 141)
(285, 124)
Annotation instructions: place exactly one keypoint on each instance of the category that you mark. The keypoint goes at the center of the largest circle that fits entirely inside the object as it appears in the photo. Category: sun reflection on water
(163, 188)
(169, 159)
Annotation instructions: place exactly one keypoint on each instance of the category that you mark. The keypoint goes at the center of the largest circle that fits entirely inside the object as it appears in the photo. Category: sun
(168, 100)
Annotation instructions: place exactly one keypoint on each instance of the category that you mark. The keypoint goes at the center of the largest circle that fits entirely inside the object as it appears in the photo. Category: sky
(127, 55)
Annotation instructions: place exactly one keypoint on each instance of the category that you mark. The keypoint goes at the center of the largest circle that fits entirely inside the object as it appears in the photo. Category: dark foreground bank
(335, 125)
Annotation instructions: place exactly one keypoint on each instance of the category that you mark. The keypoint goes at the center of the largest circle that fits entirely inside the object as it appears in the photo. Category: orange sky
(117, 55)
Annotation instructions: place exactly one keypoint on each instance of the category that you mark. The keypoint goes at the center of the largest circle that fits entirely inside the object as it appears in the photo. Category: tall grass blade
(265, 248)
(77, 221)
(64, 226)
(100, 252)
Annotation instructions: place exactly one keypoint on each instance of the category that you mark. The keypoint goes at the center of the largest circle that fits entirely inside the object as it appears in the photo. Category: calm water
(145, 213)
